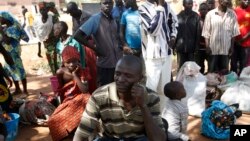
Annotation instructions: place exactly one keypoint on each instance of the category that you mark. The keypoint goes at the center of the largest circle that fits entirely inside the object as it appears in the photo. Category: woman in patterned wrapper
(11, 32)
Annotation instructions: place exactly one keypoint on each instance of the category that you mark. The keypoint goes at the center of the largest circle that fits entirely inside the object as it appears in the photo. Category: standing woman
(44, 30)
(11, 34)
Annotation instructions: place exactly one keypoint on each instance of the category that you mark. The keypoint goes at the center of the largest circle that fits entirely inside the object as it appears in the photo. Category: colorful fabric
(104, 102)
(67, 115)
(36, 111)
(70, 52)
(243, 18)
(131, 20)
(5, 97)
(16, 33)
(70, 41)
(45, 34)
(216, 120)
(91, 65)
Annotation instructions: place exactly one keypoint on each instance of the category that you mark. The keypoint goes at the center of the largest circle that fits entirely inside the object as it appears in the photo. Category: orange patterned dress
(67, 115)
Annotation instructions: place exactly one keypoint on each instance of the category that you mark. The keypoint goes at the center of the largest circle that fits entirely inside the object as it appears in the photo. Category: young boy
(175, 112)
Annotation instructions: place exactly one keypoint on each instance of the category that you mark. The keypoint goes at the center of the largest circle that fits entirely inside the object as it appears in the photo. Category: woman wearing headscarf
(43, 26)
(73, 92)
(11, 32)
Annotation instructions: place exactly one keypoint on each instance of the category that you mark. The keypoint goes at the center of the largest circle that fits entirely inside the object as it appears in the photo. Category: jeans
(143, 138)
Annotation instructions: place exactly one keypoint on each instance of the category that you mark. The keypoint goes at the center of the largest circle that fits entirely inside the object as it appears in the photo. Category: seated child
(73, 91)
(175, 111)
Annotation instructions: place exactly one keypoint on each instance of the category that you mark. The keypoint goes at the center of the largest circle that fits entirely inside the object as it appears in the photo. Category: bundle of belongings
(216, 120)
(36, 111)
(217, 83)
(239, 92)
(195, 85)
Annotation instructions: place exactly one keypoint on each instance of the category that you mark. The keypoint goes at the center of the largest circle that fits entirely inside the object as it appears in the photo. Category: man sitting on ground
(126, 108)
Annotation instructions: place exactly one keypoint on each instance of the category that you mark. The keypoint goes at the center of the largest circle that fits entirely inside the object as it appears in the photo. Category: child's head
(70, 57)
(174, 90)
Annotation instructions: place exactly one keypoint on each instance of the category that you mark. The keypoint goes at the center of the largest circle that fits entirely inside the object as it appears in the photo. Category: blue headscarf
(15, 31)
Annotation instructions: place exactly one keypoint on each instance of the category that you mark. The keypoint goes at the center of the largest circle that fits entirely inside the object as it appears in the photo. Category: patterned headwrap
(70, 52)
(7, 16)
(15, 31)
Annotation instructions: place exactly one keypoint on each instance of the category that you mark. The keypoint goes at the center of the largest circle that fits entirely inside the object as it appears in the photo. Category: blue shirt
(104, 31)
(130, 19)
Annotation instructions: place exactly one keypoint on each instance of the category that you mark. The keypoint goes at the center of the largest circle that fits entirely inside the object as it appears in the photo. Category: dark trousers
(239, 58)
(200, 58)
(105, 76)
(183, 57)
(218, 63)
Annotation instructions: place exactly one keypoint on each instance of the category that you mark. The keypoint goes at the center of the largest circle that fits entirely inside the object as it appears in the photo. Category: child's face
(72, 64)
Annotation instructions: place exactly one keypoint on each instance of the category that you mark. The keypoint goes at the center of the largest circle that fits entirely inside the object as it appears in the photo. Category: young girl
(73, 92)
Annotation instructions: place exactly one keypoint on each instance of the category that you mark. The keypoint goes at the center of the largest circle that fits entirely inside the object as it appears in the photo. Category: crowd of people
(114, 72)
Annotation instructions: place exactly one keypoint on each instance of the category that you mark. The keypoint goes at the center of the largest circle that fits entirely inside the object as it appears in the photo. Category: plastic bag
(216, 120)
(195, 85)
(238, 93)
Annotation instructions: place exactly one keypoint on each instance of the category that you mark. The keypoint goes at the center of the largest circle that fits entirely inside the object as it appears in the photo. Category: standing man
(24, 10)
(201, 55)
(187, 40)
(127, 109)
(242, 43)
(103, 28)
(78, 17)
(219, 30)
(117, 12)
(211, 4)
(158, 31)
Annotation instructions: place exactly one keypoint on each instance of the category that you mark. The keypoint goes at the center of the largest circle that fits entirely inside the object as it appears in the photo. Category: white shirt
(176, 113)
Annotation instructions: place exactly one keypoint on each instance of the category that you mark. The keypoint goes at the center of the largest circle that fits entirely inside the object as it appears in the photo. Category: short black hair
(71, 6)
(171, 89)
(203, 4)
(134, 61)
(64, 26)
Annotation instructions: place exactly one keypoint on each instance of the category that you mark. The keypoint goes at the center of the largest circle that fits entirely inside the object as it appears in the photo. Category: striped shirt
(157, 25)
(116, 121)
(220, 30)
